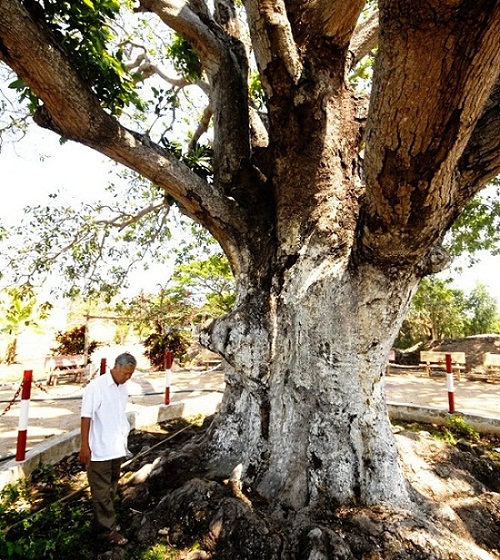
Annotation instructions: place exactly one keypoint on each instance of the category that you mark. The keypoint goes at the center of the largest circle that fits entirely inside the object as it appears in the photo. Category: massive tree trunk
(304, 410)
(329, 218)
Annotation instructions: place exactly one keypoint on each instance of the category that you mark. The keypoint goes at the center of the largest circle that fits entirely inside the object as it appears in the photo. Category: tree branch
(120, 222)
(272, 39)
(335, 19)
(73, 111)
(194, 26)
(409, 161)
(364, 39)
(480, 161)
(224, 59)
(202, 127)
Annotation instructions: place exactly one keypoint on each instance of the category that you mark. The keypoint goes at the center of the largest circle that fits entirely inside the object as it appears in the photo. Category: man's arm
(84, 440)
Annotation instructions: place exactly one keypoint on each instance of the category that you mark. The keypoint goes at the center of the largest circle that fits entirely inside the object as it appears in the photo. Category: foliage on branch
(93, 246)
(83, 29)
(184, 58)
(478, 227)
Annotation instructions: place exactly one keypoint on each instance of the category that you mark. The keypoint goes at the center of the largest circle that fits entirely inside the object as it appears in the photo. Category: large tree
(330, 205)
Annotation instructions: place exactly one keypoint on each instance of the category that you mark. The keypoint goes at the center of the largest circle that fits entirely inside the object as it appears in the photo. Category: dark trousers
(103, 477)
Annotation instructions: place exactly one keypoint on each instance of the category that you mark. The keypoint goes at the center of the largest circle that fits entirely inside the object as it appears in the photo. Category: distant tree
(210, 284)
(478, 226)
(482, 311)
(437, 311)
(20, 310)
(154, 312)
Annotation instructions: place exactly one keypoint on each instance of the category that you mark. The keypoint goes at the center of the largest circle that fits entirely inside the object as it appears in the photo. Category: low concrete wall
(430, 415)
(57, 448)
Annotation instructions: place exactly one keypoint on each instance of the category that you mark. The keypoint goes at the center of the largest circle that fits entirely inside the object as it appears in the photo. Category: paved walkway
(478, 398)
(58, 412)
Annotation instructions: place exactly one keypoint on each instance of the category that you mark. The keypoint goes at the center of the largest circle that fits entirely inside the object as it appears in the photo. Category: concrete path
(55, 410)
(477, 398)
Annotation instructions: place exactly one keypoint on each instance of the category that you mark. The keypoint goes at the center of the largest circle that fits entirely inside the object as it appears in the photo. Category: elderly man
(103, 447)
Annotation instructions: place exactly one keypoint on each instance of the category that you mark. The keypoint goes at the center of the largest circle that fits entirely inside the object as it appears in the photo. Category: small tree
(482, 310)
(437, 311)
(210, 284)
(73, 342)
(20, 310)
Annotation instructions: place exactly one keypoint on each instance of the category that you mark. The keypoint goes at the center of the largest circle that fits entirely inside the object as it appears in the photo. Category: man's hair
(125, 359)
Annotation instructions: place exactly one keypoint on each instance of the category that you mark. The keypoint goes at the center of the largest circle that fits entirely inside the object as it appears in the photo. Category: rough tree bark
(329, 222)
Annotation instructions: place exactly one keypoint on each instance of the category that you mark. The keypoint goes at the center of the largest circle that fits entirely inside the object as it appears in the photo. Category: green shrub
(72, 343)
(460, 427)
(157, 343)
(60, 530)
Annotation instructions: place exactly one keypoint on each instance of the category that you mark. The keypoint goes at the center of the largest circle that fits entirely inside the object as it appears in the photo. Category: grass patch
(456, 428)
(157, 551)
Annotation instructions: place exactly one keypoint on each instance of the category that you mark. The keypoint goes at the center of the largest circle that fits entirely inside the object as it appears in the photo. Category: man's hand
(85, 455)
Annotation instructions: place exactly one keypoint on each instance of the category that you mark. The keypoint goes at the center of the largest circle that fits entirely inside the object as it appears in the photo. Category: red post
(102, 369)
(22, 433)
(450, 384)
(168, 360)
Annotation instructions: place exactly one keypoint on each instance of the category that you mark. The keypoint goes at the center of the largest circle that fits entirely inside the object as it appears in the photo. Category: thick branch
(224, 59)
(72, 110)
(202, 127)
(178, 15)
(364, 39)
(412, 191)
(481, 159)
(272, 39)
(335, 19)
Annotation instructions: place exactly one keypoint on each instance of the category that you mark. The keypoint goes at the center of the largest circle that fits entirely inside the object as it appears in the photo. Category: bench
(491, 363)
(72, 366)
(431, 359)
(391, 360)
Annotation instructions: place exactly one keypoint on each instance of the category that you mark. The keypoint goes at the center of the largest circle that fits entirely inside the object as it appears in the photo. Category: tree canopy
(126, 74)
